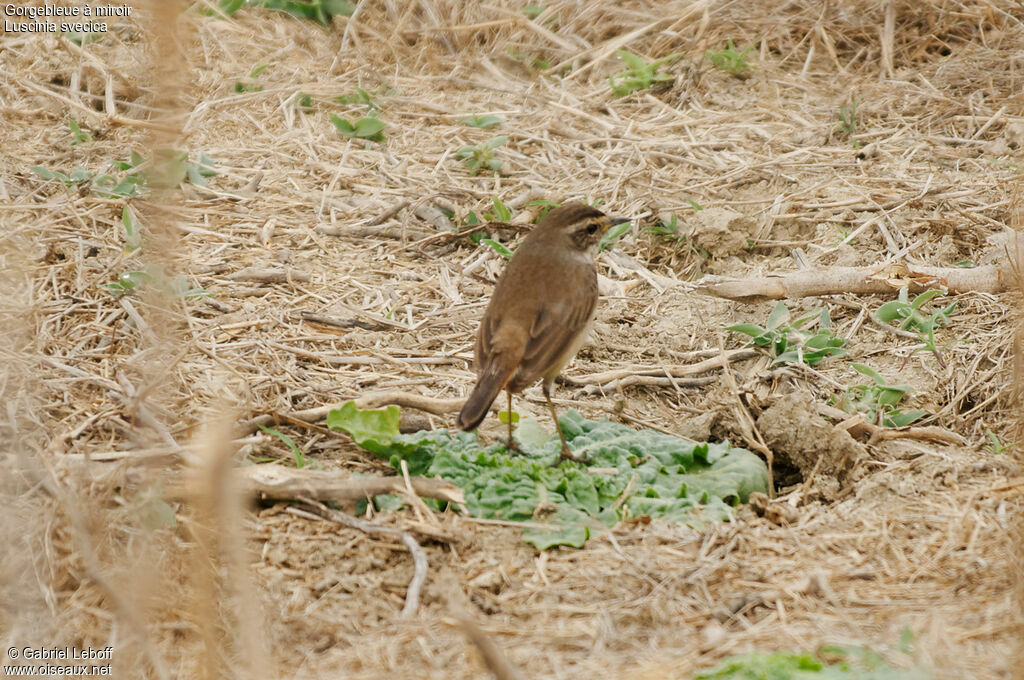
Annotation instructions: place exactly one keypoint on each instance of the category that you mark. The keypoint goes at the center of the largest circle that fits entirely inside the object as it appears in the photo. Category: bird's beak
(618, 220)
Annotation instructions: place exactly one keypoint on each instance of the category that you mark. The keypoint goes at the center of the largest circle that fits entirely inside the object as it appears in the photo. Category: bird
(539, 313)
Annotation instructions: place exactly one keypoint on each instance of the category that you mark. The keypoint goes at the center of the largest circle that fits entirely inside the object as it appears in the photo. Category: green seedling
(321, 11)
(301, 459)
(482, 122)
(911, 318)
(787, 342)
(497, 247)
(995, 446)
(480, 157)
(639, 74)
(501, 212)
(833, 662)
(533, 62)
(730, 60)
(655, 474)
(130, 282)
(303, 101)
(504, 416)
(878, 401)
(77, 176)
(369, 128)
(132, 238)
(848, 119)
(361, 98)
(612, 236)
(249, 85)
(545, 207)
(669, 228)
(532, 11)
(78, 135)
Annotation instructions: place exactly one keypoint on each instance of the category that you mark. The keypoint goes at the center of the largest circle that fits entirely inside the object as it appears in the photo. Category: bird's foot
(512, 447)
(566, 454)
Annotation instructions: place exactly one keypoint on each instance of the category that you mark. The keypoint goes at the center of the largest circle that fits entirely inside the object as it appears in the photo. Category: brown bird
(540, 311)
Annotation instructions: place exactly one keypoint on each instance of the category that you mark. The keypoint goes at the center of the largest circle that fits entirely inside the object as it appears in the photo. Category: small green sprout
(730, 60)
(532, 11)
(321, 11)
(669, 228)
(132, 238)
(360, 98)
(478, 157)
(612, 236)
(848, 119)
(497, 247)
(640, 74)
(878, 400)
(250, 84)
(482, 122)
(533, 62)
(369, 128)
(995, 446)
(910, 316)
(301, 459)
(132, 281)
(545, 207)
(787, 342)
(501, 213)
(78, 135)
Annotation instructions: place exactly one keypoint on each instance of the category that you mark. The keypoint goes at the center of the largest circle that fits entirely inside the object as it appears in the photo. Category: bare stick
(276, 482)
(877, 433)
(861, 280)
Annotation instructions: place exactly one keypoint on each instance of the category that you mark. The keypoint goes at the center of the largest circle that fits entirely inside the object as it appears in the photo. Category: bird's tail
(491, 381)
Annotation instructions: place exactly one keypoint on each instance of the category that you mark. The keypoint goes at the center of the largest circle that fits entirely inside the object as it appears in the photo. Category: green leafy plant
(534, 62)
(501, 212)
(301, 459)
(132, 238)
(834, 662)
(730, 60)
(250, 84)
(995, 446)
(321, 11)
(482, 122)
(848, 119)
(878, 400)
(361, 98)
(369, 128)
(669, 228)
(612, 236)
(639, 74)
(478, 157)
(545, 206)
(910, 317)
(132, 281)
(788, 342)
(655, 474)
(78, 135)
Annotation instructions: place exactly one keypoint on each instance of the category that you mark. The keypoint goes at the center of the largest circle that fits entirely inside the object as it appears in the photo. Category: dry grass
(925, 540)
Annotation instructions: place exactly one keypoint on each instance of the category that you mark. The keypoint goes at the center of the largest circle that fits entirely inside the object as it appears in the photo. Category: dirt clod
(808, 446)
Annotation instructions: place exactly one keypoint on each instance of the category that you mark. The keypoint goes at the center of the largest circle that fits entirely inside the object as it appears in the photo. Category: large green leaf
(665, 477)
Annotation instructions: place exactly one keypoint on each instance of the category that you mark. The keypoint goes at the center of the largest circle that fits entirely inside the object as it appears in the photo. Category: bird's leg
(566, 454)
(511, 446)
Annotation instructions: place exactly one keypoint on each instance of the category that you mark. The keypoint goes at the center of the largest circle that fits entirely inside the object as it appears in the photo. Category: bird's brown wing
(553, 338)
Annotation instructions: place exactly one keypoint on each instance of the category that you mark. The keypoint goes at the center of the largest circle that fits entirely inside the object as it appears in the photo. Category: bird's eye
(592, 229)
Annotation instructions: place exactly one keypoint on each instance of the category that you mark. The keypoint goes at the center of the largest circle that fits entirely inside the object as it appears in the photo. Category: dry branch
(860, 280)
(279, 483)
(877, 433)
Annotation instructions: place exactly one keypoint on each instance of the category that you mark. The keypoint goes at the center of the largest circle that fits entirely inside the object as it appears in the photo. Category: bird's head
(580, 225)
